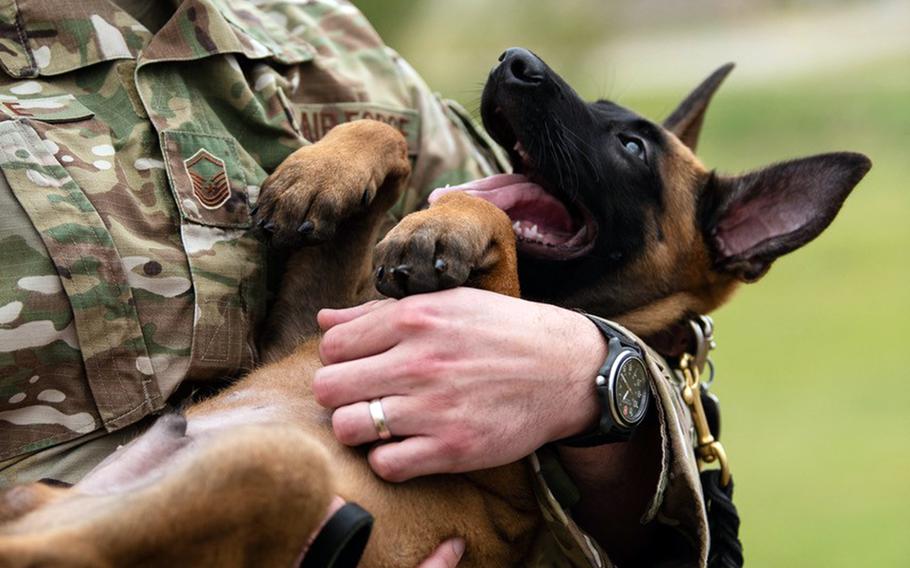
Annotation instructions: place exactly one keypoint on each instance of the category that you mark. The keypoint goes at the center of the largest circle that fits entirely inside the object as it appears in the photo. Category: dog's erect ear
(685, 122)
(751, 220)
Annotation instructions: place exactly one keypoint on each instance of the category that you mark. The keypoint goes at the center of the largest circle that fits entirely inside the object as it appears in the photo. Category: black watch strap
(607, 430)
(609, 331)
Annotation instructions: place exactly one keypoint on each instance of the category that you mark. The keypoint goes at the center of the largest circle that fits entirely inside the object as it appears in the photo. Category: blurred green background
(812, 361)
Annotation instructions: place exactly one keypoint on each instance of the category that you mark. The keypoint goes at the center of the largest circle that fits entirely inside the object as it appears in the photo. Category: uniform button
(152, 268)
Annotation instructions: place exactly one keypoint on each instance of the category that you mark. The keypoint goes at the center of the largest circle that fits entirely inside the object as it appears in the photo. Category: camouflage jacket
(130, 163)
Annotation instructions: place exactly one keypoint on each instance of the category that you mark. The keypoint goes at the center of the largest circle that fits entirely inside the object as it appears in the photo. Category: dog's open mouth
(545, 226)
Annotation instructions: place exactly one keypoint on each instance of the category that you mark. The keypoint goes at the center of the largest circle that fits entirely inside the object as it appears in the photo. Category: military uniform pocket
(209, 178)
(53, 109)
(44, 344)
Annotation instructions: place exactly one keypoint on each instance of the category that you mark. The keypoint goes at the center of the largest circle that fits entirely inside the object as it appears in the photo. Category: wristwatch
(623, 387)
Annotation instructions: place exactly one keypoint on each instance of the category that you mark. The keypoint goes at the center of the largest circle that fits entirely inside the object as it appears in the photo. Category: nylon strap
(725, 550)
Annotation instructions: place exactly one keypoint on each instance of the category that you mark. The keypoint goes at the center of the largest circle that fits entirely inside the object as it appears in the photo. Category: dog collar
(694, 336)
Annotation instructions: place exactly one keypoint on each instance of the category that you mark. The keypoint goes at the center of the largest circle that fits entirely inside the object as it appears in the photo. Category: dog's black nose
(521, 66)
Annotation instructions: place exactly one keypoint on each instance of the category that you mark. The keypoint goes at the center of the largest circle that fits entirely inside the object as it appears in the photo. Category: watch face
(631, 391)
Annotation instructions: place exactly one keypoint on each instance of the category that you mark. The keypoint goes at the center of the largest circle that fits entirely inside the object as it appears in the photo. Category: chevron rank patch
(209, 178)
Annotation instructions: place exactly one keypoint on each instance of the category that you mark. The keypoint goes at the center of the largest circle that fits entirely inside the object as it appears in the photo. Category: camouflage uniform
(131, 161)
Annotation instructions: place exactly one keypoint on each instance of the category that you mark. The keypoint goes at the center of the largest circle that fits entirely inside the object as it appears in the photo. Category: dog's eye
(633, 146)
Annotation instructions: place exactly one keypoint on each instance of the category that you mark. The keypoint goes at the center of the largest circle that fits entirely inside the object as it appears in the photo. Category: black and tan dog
(612, 213)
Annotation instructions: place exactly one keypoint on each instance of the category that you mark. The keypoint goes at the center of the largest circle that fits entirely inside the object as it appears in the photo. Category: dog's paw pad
(425, 258)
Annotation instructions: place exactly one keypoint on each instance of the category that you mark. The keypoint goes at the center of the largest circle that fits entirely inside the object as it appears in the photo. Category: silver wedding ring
(379, 420)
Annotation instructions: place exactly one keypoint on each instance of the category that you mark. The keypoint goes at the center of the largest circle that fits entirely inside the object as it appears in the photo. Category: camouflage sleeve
(676, 503)
(453, 148)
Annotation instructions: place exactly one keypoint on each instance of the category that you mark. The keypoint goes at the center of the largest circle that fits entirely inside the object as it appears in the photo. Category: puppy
(604, 211)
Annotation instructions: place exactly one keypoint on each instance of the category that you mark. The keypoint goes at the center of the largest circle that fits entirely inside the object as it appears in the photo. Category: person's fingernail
(458, 547)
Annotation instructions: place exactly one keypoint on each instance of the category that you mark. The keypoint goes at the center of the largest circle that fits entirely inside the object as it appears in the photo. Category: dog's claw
(440, 265)
(306, 228)
(402, 271)
(395, 281)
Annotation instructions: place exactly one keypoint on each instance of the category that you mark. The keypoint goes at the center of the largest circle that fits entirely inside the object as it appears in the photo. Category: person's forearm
(616, 483)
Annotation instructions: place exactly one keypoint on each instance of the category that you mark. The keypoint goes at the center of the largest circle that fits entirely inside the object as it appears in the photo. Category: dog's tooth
(516, 225)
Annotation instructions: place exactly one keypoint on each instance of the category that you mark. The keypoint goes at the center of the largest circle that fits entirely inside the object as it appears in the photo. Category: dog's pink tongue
(510, 183)
(523, 201)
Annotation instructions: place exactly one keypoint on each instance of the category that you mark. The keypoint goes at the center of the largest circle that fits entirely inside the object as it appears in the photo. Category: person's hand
(446, 556)
(468, 379)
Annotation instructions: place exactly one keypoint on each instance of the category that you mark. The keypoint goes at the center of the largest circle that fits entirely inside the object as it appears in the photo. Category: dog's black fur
(580, 153)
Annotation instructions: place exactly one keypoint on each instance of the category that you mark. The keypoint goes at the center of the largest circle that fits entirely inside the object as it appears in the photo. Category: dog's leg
(328, 201)
(460, 241)
(463, 240)
(249, 496)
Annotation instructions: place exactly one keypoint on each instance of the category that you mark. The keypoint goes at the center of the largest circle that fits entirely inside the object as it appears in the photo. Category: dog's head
(616, 215)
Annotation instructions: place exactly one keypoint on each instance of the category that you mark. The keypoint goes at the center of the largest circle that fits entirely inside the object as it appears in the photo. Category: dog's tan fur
(250, 477)
(676, 264)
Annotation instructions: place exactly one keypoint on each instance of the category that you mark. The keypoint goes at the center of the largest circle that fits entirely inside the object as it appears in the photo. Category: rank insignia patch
(209, 177)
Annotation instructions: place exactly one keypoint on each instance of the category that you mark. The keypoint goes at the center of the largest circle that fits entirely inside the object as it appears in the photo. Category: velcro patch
(58, 108)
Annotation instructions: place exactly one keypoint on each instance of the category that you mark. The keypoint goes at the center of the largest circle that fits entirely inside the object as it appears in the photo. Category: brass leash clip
(708, 449)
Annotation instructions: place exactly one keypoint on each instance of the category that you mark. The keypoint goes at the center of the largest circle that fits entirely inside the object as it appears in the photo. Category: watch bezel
(622, 359)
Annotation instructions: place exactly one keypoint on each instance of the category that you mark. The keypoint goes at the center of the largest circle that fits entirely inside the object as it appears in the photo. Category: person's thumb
(446, 556)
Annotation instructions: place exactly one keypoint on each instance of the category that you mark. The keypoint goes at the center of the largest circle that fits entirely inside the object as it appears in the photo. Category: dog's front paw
(299, 204)
(357, 167)
(461, 240)
(424, 253)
